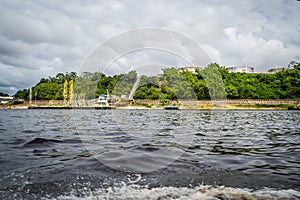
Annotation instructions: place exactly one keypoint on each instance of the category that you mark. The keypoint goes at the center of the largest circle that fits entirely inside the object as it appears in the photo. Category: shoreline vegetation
(242, 104)
(279, 91)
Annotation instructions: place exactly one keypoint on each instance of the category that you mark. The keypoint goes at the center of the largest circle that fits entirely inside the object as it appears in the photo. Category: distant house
(4, 100)
(242, 69)
(275, 70)
(189, 69)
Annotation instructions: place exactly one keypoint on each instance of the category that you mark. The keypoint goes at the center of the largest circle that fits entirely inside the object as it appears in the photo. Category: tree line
(2, 94)
(174, 84)
(50, 88)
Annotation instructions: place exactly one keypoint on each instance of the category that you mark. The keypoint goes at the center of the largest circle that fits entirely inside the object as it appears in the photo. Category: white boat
(102, 100)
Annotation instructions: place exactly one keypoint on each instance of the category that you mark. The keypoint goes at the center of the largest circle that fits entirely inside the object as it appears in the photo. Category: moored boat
(103, 102)
(294, 108)
(171, 108)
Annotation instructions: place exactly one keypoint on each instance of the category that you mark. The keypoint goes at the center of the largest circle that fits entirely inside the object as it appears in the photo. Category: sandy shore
(182, 107)
(156, 106)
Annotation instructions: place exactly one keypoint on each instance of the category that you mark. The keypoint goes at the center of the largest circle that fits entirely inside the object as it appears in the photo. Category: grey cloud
(136, 42)
(41, 38)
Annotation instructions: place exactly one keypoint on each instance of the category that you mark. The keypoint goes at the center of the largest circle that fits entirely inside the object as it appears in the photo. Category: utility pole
(35, 96)
(30, 95)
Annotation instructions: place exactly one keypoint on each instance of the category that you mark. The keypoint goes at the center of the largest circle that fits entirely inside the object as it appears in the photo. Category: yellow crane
(71, 92)
(65, 92)
(68, 92)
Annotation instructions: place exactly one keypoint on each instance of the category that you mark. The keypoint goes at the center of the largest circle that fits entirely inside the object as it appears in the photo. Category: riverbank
(144, 106)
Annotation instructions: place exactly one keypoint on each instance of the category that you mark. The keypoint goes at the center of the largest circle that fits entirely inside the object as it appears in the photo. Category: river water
(149, 154)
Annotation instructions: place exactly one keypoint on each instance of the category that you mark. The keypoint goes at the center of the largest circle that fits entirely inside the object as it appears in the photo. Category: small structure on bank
(5, 100)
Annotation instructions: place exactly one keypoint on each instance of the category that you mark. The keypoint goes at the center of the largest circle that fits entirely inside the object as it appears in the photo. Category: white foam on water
(131, 192)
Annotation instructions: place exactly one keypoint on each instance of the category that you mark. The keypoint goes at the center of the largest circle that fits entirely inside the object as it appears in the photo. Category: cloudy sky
(41, 38)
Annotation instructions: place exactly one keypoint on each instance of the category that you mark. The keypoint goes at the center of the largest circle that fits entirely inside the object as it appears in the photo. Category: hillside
(173, 84)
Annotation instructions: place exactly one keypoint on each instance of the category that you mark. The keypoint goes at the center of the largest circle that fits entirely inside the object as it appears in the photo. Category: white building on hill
(242, 69)
(189, 69)
(274, 70)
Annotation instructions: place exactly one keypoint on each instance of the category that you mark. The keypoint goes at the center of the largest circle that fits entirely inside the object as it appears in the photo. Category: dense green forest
(47, 88)
(175, 84)
(3, 94)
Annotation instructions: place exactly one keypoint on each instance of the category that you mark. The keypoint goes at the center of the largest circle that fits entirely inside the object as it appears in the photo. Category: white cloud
(213, 53)
(249, 49)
